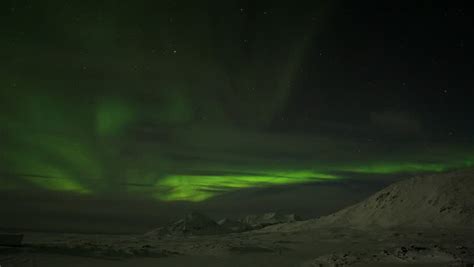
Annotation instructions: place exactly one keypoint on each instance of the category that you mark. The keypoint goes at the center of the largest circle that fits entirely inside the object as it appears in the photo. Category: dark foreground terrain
(422, 221)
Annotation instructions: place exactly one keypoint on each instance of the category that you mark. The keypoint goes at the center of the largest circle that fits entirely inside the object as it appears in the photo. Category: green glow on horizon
(197, 188)
(304, 174)
(389, 168)
(57, 180)
(55, 146)
(79, 156)
(54, 163)
(60, 184)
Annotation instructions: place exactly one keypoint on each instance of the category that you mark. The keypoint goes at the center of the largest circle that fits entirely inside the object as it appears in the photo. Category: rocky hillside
(441, 200)
(199, 224)
(192, 224)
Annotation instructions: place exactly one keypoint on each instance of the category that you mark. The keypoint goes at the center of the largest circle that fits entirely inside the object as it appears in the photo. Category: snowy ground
(443, 201)
(318, 247)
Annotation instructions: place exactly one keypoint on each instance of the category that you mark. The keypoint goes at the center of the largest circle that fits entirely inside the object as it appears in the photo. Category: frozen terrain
(421, 221)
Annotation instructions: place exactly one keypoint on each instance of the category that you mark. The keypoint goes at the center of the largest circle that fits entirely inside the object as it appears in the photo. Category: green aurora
(202, 187)
(186, 111)
(91, 164)
(50, 145)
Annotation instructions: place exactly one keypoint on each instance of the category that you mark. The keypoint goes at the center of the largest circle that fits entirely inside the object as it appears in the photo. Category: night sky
(128, 113)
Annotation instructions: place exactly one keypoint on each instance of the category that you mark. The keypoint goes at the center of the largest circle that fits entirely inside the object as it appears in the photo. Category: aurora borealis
(98, 151)
(175, 101)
